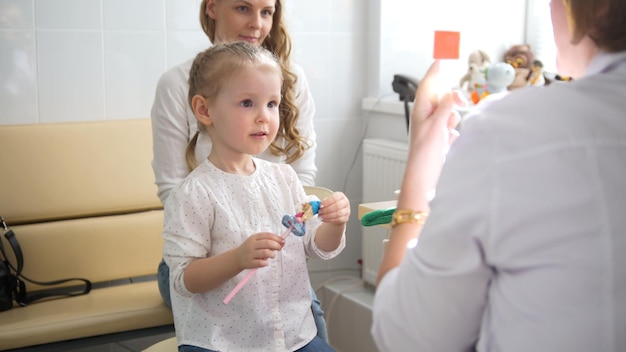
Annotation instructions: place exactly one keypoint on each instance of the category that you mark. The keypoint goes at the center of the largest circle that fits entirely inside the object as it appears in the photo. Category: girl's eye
(246, 103)
(272, 104)
(242, 8)
(268, 13)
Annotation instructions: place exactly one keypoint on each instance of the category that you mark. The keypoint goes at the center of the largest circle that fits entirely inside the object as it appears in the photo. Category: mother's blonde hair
(278, 42)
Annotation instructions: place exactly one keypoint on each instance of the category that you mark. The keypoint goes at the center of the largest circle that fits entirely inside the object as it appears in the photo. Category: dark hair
(604, 21)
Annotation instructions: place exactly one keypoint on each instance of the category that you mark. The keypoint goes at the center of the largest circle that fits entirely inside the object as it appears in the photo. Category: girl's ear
(210, 8)
(201, 109)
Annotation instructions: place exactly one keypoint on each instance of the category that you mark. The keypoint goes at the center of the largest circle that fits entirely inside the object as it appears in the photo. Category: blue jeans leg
(318, 315)
(163, 278)
(317, 345)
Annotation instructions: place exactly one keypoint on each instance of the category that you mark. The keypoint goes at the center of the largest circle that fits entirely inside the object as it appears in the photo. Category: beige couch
(81, 200)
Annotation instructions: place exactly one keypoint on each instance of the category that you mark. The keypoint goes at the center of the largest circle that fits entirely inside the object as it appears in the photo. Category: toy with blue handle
(297, 227)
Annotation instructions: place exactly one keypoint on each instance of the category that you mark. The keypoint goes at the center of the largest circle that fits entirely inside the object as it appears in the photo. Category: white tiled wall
(78, 60)
(72, 60)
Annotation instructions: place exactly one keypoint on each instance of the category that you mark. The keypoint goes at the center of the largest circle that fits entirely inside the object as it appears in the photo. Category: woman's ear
(210, 9)
(200, 108)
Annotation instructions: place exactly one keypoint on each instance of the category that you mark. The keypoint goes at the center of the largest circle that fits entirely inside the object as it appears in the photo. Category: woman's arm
(170, 129)
(432, 297)
(431, 133)
(305, 166)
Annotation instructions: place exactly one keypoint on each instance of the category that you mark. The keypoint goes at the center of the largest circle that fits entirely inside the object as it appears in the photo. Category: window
(539, 33)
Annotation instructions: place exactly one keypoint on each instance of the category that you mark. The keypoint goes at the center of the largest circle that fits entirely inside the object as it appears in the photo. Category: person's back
(522, 247)
(552, 224)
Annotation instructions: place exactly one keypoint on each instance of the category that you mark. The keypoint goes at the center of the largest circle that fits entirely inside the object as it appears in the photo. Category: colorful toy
(497, 78)
(536, 75)
(521, 58)
(295, 224)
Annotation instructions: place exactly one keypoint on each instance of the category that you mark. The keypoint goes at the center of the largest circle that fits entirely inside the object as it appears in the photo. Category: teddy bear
(521, 58)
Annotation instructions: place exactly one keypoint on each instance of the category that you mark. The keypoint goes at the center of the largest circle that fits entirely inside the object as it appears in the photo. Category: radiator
(383, 167)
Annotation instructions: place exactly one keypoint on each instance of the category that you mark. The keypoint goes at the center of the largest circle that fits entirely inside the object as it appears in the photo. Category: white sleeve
(305, 166)
(435, 299)
(170, 130)
(186, 241)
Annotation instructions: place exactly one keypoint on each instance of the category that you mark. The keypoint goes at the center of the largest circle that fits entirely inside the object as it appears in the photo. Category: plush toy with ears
(476, 64)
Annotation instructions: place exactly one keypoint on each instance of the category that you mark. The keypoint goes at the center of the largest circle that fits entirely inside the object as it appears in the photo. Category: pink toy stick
(249, 275)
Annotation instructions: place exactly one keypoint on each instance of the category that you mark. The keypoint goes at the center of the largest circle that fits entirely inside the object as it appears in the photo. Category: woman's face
(241, 20)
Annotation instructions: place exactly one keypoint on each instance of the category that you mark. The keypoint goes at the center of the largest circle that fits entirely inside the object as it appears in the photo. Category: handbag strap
(21, 297)
(17, 250)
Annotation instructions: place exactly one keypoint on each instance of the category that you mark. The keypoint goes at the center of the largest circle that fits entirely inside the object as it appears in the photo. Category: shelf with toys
(518, 68)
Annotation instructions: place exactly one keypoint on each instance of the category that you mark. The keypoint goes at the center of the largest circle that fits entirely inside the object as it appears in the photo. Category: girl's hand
(335, 209)
(257, 249)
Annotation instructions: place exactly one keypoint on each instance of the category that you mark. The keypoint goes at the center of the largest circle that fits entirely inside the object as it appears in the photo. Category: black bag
(12, 285)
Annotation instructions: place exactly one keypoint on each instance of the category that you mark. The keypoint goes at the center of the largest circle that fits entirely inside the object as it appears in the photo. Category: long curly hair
(278, 42)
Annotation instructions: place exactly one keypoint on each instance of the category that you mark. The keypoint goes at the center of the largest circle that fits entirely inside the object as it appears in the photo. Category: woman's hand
(431, 129)
(257, 249)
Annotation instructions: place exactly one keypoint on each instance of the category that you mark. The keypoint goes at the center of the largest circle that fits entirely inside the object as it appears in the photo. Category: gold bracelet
(402, 216)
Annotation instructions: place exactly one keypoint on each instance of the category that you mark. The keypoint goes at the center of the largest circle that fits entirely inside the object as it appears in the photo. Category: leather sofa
(81, 200)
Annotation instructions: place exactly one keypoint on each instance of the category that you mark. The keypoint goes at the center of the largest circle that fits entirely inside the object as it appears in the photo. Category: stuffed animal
(476, 63)
(497, 78)
(536, 75)
(521, 58)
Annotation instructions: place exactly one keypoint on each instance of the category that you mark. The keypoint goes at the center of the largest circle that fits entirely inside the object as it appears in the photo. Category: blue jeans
(163, 277)
(316, 345)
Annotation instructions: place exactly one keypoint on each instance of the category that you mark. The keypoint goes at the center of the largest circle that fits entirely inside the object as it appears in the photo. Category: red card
(446, 45)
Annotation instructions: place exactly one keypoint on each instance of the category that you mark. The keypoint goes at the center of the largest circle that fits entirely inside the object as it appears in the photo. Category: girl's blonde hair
(213, 68)
(278, 42)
